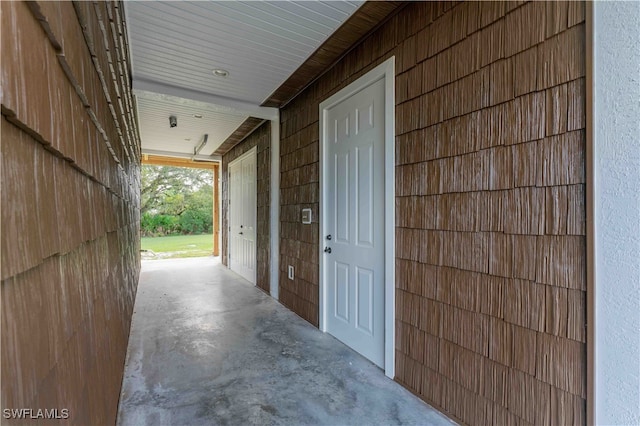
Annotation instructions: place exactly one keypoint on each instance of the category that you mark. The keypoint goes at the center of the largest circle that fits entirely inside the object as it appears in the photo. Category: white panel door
(354, 212)
(242, 216)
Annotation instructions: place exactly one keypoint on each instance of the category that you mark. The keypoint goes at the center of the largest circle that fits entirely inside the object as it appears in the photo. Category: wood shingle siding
(490, 205)
(70, 207)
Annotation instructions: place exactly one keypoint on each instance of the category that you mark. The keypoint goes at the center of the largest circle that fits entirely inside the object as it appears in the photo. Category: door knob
(327, 249)
(241, 233)
(329, 237)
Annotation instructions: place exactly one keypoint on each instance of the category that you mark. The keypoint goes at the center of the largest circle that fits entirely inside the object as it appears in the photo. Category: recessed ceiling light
(219, 72)
(197, 115)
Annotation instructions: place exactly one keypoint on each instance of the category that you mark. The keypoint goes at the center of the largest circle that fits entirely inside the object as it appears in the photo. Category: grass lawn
(179, 246)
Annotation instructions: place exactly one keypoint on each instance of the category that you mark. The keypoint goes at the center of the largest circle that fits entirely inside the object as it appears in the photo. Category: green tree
(176, 200)
(198, 215)
(154, 225)
(160, 182)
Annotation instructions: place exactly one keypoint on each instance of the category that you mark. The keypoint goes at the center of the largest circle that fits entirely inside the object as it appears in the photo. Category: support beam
(157, 91)
(157, 160)
(216, 211)
(174, 155)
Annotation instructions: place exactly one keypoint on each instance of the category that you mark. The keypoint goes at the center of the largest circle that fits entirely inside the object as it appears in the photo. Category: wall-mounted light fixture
(173, 121)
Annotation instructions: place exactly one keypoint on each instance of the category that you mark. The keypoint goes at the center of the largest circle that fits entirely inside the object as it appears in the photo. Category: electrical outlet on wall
(290, 272)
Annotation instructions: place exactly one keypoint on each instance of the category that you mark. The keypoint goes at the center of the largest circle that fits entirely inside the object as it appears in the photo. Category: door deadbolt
(329, 237)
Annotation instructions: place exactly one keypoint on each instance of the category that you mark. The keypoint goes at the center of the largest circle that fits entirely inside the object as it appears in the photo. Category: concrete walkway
(207, 347)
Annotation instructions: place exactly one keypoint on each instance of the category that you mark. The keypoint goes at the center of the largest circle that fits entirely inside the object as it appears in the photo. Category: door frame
(251, 151)
(386, 72)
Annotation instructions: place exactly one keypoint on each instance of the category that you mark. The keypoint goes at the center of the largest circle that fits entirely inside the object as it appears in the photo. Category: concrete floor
(207, 347)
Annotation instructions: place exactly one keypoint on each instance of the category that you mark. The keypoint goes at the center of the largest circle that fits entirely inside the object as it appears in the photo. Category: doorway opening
(179, 213)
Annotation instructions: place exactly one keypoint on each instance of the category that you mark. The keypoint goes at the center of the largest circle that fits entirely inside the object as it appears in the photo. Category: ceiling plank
(259, 43)
(364, 20)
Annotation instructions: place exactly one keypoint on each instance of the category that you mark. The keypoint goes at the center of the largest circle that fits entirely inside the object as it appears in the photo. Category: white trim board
(274, 210)
(613, 215)
(385, 71)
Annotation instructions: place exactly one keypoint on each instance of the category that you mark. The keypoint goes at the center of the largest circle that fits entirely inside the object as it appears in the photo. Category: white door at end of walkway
(242, 213)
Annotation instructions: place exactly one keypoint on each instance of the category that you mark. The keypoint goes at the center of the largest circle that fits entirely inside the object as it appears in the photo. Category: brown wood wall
(260, 138)
(490, 205)
(70, 207)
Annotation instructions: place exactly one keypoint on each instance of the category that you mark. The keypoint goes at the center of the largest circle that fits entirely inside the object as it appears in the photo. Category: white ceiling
(175, 46)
